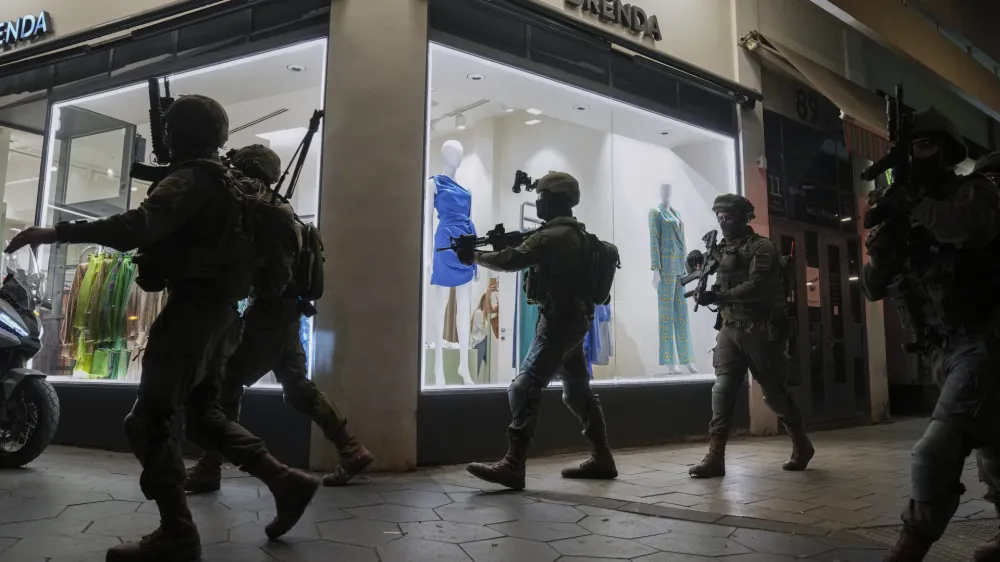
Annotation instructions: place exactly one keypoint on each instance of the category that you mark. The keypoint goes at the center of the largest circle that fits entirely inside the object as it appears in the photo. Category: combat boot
(354, 457)
(601, 464)
(206, 476)
(909, 548)
(508, 472)
(176, 539)
(292, 490)
(802, 451)
(714, 463)
(989, 551)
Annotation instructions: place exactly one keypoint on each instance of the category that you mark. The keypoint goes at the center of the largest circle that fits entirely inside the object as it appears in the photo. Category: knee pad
(521, 389)
(938, 461)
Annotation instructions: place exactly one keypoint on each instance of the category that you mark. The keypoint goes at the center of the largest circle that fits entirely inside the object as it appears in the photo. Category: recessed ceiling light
(111, 173)
(507, 109)
(433, 89)
(460, 122)
(475, 76)
(664, 133)
(581, 107)
(534, 111)
(296, 68)
(135, 189)
(533, 122)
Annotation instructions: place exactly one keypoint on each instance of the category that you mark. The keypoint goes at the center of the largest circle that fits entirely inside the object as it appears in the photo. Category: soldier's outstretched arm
(969, 216)
(172, 203)
(534, 250)
(763, 266)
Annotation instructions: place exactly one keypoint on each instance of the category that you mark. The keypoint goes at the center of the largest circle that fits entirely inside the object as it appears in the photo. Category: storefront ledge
(654, 381)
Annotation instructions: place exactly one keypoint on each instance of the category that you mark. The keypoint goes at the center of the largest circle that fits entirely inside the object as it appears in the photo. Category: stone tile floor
(72, 504)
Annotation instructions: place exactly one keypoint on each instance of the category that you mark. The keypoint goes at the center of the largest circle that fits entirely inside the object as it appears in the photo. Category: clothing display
(107, 318)
(597, 346)
(453, 204)
(667, 256)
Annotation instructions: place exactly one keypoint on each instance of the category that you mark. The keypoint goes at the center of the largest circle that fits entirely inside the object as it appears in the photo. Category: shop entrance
(827, 367)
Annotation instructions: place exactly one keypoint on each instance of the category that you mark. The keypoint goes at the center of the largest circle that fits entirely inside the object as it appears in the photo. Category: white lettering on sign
(632, 18)
(24, 28)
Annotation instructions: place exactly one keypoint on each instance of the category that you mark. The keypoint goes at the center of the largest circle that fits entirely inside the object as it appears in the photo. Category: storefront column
(748, 72)
(878, 365)
(367, 335)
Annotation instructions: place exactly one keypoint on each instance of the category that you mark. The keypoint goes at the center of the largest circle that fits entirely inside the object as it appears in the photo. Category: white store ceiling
(459, 80)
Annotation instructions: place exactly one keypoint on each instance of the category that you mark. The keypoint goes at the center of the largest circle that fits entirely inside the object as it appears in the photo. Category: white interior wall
(620, 182)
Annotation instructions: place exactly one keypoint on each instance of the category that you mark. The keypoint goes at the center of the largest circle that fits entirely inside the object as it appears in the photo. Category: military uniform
(554, 255)
(271, 342)
(188, 236)
(935, 265)
(753, 334)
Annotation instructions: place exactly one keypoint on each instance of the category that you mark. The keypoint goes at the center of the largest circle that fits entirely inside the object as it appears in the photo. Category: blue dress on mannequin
(453, 204)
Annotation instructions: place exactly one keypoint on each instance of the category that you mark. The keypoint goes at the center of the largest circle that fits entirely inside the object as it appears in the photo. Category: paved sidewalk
(72, 504)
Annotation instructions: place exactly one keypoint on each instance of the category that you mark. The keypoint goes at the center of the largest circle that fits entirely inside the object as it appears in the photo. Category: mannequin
(667, 254)
(453, 205)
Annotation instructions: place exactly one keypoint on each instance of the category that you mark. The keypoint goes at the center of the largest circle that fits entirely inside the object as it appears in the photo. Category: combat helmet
(933, 123)
(199, 120)
(733, 203)
(258, 162)
(560, 183)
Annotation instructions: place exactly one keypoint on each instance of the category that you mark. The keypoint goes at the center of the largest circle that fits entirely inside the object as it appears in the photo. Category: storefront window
(647, 181)
(22, 164)
(100, 319)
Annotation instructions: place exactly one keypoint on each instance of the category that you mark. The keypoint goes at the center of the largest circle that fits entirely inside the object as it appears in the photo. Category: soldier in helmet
(271, 343)
(554, 255)
(934, 259)
(753, 332)
(189, 238)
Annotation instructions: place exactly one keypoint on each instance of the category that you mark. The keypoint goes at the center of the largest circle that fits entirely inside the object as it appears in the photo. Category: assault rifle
(499, 238)
(158, 105)
(889, 201)
(707, 264)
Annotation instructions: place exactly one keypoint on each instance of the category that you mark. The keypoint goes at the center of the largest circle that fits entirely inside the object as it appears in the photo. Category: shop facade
(75, 116)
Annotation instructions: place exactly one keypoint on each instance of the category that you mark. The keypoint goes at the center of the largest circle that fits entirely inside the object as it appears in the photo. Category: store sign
(24, 28)
(632, 18)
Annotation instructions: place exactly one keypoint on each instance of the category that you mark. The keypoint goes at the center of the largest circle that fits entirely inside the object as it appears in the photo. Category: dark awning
(858, 106)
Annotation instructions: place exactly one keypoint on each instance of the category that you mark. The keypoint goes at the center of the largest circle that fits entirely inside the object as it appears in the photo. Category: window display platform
(463, 426)
(91, 415)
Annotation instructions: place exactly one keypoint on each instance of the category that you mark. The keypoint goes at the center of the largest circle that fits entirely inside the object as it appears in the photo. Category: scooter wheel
(34, 409)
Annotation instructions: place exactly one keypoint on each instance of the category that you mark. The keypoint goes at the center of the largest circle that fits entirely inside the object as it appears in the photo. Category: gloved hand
(886, 239)
(708, 297)
(467, 255)
(33, 236)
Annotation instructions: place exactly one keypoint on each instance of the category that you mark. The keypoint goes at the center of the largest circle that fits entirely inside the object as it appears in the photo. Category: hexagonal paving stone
(672, 557)
(6, 543)
(449, 531)
(234, 552)
(314, 514)
(586, 559)
(99, 510)
(128, 525)
(53, 546)
(471, 513)
(626, 526)
(421, 550)
(319, 551)
(416, 498)
(43, 527)
(60, 495)
(541, 531)
(98, 556)
(542, 511)
(762, 557)
(601, 547)
(394, 513)
(340, 498)
(253, 534)
(779, 543)
(250, 504)
(361, 532)
(854, 555)
(694, 544)
(497, 499)
(510, 550)
(18, 512)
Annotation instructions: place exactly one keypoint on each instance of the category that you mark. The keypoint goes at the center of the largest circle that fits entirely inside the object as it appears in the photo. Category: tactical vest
(734, 270)
(556, 285)
(945, 291)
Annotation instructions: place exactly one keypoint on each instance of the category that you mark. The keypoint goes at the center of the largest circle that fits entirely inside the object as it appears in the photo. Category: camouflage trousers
(271, 343)
(189, 342)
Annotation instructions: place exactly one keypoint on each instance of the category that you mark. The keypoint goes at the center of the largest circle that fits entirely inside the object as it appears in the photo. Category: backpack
(276, 238)
(309, 266)
(600, 264)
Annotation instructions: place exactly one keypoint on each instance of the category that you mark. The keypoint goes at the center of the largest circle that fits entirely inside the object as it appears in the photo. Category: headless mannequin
(666, 190)
(452, 153)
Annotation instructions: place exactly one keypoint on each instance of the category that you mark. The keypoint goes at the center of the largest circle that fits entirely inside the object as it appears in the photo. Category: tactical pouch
(530, 286)
(152, 276)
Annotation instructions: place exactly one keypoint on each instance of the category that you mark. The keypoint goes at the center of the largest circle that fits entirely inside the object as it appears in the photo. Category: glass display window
(98, 325)
(647, 185)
